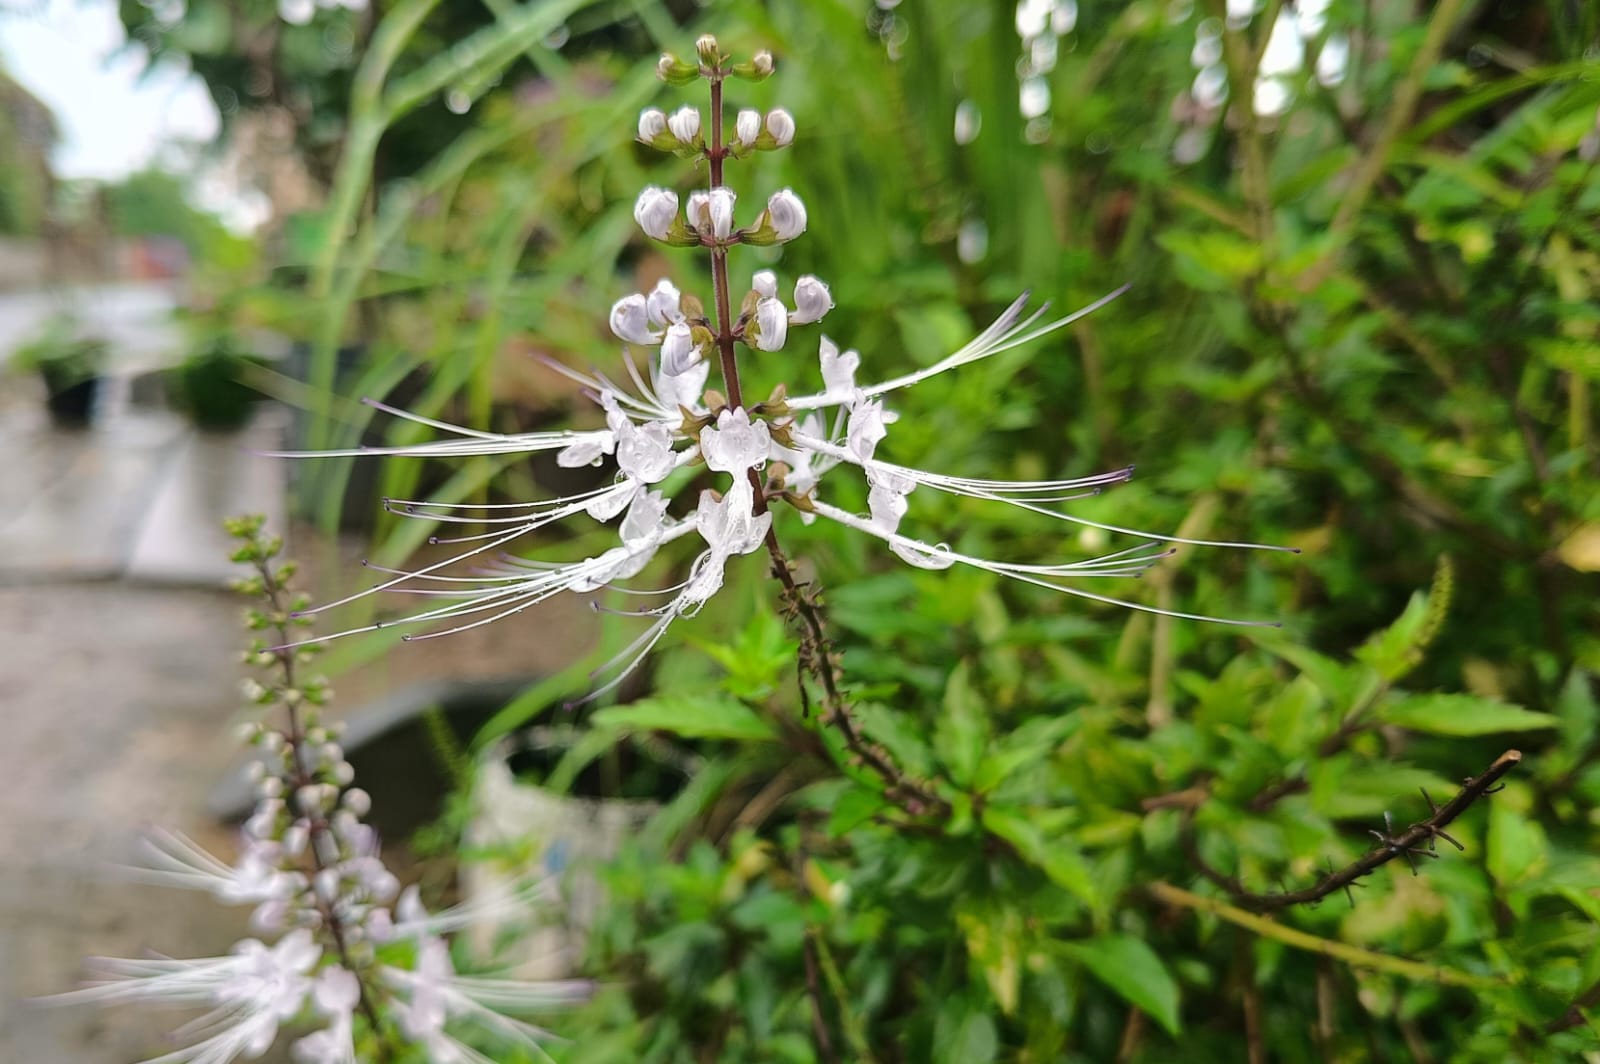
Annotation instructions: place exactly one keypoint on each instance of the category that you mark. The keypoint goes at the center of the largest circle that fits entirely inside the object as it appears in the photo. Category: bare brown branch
(1418, 840)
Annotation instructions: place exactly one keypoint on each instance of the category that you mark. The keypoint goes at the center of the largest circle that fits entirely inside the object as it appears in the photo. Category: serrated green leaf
(967, 1037)
(1132, 969)
(1391, 651)
(1056, 857)
(960, 735)
(852, 808)
(689, 716)
(1517, 848)
(1033, 741)
(1461, 715)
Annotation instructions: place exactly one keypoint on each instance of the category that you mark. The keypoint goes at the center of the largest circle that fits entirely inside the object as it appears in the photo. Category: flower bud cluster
(708, 218)
(312, 871)
(712, 64)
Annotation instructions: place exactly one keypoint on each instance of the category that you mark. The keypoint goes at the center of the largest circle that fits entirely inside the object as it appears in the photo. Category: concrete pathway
(119, 687)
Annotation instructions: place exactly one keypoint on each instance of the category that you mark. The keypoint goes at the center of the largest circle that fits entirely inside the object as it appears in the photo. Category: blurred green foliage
(1362, 322)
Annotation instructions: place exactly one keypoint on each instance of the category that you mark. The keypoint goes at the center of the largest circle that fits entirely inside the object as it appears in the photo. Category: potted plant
(70, 366)
(211, 386)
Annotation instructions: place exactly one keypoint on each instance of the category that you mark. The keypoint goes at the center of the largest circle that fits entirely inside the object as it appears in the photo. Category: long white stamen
(1024, 573)
(1005, 492)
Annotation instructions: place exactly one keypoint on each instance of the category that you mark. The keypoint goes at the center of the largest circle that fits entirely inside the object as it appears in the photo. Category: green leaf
(1032, 742)
(1132, 969)
(967, 1039)
(898, 734)
(1056, 857)
(994, 942)
(1517, 848)
(853, 808)
(1390, 651)
(1462, 715)
(960, 735)
(689, 716)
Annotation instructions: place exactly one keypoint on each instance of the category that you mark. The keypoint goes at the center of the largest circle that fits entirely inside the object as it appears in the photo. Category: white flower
(645, 520)
(588, 451)
(678, 349)
(867, 427)
(652, 123)
(630, 321)
(780, 124)
(251, 992)
(697, 209)
(786, 214)
(336, 994)
(838, 371)
(675, 390)
(721, 210)
(735, 444)
(747, 127)
(771, 325)
(685, 125)
(663, 305)
(886, 505)
(431, 996)
(655, 211)
(811, 301)
(645, 452)
(297, 12)
(646, 430)
(730, 527)
(765, 284)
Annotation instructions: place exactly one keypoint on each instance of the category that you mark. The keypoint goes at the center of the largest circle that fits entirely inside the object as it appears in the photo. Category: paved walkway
(118, 688)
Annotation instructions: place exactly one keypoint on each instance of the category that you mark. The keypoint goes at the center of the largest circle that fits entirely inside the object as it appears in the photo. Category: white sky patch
(114, 116)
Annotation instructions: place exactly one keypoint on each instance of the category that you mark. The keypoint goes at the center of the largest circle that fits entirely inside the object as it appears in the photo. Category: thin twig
(1418, 840)
(1289, 936)
(819, 1025)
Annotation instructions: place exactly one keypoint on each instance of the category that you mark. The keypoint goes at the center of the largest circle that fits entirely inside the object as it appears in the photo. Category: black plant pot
(71, 405)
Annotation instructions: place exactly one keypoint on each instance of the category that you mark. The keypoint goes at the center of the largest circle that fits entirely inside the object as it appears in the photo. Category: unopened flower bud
(270, 787)
(759, 68)
(706, 48)
(294, 838)
(685, 125)
(663, 306)
(811, 301)
(747, 127)
(652, 123)
(308, 799)
(678, 350)
(765, 283)
(721, 208)
(656, 210)
(675, 71)
(358, 801)
(771, 326)
(785, 217)
(343, 773)
(780, 127)
(630, 321)
(271, 741)
(695, 209)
